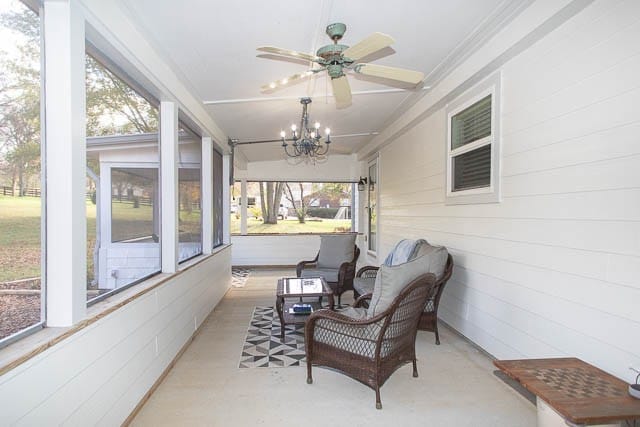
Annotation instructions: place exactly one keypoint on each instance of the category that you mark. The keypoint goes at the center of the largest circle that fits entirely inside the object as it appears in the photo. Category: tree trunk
(300, 208)
(20, 182)
(263, 202)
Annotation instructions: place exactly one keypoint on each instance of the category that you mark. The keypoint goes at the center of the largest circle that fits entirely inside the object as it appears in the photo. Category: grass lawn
(292, 226)
(20, 237)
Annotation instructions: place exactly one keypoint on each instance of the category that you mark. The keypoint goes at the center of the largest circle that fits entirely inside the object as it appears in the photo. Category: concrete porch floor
(456, 386)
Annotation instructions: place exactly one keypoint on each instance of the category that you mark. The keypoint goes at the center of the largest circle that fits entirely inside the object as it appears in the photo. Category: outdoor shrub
(329, 213)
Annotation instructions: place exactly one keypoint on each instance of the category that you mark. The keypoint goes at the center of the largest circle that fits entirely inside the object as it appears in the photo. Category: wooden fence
(10, 191)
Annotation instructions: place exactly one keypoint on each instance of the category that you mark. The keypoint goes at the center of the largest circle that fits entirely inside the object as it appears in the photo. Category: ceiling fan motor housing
(332, 52)
(336, 31)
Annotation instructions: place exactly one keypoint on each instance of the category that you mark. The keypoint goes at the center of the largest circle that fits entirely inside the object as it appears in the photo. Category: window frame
(490, 193)
(374, 161)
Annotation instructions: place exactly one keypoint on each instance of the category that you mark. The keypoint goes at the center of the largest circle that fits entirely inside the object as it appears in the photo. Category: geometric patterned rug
(239, 276)
(262, 346)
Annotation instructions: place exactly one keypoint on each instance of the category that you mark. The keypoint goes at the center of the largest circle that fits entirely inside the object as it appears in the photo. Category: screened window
(473, 147)
(189, 213)
(134, 205)
(217, 200)
(294, 207)
(122, 185)
(21, 203)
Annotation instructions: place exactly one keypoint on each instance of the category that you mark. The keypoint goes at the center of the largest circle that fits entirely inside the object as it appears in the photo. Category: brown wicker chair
(346, 273)
(369, 350)
(429, 318)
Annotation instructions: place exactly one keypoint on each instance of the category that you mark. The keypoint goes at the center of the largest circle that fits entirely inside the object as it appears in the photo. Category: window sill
(19, 352)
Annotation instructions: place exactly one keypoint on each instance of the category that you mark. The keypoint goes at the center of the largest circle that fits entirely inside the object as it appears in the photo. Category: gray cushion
(336, 249)
(364, 285)
(329, 274)
(437, 256)
(391, 280)
(356, 313)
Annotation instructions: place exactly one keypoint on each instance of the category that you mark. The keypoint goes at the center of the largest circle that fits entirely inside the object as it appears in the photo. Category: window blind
(471, 124)
(472, 169)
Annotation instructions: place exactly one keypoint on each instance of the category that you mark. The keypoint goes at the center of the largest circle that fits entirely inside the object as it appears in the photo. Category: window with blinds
(471, 124)
(470, 149)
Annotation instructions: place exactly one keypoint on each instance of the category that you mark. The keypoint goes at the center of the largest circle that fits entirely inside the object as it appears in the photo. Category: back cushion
(437, 256)
(392, 279)
(336, 249)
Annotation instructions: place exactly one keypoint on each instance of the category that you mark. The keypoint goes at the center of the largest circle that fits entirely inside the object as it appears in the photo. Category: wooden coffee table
(293, 288)
(572, 392)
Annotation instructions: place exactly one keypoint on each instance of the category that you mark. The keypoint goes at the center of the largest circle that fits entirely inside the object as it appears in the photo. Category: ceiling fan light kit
(338, 59)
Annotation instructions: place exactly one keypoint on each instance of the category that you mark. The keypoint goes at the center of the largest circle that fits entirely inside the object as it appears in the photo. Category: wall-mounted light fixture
(361, 183)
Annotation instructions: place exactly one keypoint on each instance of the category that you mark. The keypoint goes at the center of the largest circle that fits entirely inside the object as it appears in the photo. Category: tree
(271, 195)
(300, 206)
(20, 100)
(113, 107)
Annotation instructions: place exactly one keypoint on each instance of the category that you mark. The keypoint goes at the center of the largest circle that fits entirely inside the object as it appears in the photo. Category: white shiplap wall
(99, 374)
(554, 269)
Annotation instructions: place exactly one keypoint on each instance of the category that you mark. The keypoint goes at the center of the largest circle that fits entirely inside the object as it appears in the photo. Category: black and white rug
(239, 276)
(263, 347)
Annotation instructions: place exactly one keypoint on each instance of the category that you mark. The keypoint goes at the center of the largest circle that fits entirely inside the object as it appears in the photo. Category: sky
(9, 39)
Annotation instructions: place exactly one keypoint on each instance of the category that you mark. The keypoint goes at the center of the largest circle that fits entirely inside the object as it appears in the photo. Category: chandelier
(306, 143)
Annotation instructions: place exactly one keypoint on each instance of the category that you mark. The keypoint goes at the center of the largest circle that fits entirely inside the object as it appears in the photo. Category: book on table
(301, 308)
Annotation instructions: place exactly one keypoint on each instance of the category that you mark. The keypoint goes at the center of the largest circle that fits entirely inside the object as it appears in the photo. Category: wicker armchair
(371, 349)
(343, 279)
(429, 318)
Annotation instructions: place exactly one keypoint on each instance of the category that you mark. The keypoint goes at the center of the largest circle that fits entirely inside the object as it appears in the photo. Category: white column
(226, 199)
(65, 162)
(243, 207)
(169, 185)
(207, 195)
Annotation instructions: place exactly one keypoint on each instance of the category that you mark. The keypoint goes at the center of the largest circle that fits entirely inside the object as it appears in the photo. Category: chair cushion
(329, 274)
(364, 285)
(356, 313)
(392, 279)
(405, 250)
(336, 249)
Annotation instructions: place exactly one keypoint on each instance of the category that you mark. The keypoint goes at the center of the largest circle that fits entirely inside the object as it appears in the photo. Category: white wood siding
(279, 249)
(98, 375)
(554, 268)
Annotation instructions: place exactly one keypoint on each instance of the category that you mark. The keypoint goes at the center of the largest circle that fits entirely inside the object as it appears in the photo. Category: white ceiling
(212, 44)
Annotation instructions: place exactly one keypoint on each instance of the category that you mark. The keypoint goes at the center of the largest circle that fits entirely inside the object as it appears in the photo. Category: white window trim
(491, 194)
(373, 252)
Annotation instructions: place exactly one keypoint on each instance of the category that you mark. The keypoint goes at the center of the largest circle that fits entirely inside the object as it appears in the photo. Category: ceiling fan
(337, 59)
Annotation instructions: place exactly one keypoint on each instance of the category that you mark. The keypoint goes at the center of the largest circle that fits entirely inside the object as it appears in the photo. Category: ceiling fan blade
(289, 53)
(284, 82)
(373, 43)
(392, 73)
(341, 91)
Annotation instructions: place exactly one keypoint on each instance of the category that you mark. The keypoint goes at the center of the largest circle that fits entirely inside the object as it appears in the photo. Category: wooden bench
(572, 392)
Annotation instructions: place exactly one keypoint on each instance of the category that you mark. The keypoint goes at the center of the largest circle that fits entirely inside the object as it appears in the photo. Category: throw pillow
(391, 280)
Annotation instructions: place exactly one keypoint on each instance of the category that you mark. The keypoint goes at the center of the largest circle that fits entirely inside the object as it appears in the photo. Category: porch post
(169, 185)
(207, 195)
(65, 163)
(243, 207)
(226, 199)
